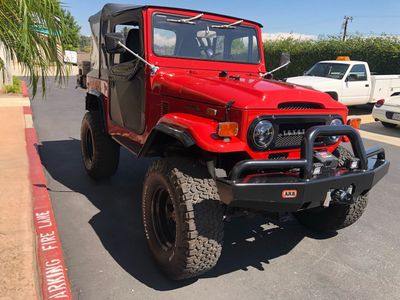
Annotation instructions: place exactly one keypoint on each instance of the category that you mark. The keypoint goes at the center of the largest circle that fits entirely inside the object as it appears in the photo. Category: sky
(307, 17)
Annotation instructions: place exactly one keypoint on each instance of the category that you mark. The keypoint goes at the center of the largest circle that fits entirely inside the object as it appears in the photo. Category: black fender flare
(94, 101)
(161, 132)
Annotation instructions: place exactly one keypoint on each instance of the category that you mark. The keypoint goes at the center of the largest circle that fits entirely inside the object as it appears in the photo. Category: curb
(24, 89)
(53, 276)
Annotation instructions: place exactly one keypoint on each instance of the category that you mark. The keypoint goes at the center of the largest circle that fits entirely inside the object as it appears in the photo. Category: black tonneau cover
(111, 10)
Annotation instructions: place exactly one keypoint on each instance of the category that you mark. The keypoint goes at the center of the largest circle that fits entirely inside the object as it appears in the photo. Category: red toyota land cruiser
(191, 89)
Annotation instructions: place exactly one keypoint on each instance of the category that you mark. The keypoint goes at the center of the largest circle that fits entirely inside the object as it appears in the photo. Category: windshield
(329, 70)
(174, 36)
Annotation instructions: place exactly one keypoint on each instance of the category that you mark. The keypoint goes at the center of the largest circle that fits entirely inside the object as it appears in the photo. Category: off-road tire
(100, 153)
(388, 125)
(198, 217)
(337, 215)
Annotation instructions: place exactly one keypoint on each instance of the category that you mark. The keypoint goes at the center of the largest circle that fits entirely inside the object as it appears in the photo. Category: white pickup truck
(349, 81)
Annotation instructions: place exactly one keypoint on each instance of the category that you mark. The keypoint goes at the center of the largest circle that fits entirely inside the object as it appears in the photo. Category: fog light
(353, 164)
(317, 169)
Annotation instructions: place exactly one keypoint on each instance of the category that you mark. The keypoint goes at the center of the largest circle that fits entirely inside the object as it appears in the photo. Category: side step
(127, 144)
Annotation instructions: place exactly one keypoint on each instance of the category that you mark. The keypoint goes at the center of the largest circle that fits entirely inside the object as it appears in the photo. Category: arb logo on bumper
(289, 194)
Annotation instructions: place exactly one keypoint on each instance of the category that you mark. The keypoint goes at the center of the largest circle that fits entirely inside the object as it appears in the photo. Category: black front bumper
(285, 193)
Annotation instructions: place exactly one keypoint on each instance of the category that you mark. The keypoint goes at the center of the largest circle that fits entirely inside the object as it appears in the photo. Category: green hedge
(13, 88)
(381, 53)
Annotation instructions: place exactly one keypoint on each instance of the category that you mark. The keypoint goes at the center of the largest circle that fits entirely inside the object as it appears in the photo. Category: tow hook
(343, 196)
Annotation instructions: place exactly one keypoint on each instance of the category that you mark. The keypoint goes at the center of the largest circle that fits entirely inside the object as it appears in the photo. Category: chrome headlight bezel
(260, 134)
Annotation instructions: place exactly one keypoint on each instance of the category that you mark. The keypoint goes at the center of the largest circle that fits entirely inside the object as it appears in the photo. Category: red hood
(248, 92)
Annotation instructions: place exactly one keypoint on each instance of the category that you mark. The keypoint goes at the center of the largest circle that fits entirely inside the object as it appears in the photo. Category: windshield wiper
(227, 26)
(186, 21)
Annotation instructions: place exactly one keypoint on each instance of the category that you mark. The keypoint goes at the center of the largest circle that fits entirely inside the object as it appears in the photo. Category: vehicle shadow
(377, 127)
(358, 110)
(249, 242)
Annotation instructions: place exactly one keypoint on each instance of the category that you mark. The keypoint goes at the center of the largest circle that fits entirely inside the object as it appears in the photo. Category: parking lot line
(395, 141)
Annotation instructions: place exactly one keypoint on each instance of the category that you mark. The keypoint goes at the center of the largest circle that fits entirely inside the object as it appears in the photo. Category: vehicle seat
(133, 42)
(190, 48)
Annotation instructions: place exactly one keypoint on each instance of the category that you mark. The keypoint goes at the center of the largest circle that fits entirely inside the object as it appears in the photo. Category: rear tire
(100, 153)
(388, 125)
(337, 215)
(183, 217)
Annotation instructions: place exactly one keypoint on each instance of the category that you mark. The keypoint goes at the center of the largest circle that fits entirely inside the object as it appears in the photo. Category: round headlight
(262, 134)
(335, 122)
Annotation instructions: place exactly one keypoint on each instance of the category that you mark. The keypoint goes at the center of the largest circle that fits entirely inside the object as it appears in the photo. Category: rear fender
(191, 130)
(95, 102)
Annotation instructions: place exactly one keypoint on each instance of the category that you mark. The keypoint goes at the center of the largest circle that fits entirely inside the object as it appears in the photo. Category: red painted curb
(52, 270)
(27, 110)
(24, 89)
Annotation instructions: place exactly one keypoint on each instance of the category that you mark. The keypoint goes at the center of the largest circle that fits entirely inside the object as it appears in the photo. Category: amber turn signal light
(354, 122)
(227, 129)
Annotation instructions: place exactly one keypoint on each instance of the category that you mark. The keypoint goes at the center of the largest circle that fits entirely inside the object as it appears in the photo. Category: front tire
(100, 153)
(337, 215)
(183, 217)
(334, 217)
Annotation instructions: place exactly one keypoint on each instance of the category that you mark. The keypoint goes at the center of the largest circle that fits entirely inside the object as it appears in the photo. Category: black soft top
(111, 10)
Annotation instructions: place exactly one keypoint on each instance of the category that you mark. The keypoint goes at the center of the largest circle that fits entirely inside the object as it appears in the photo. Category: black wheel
(183, 217)
(100, 153)
(337, 215)
(388, 125)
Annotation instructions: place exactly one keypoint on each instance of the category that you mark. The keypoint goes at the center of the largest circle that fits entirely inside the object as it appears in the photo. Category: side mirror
(112, 40)
(351, 77)
(285, 59)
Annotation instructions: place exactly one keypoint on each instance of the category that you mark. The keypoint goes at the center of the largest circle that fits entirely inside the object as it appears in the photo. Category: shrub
(382, 53)
(13, 88)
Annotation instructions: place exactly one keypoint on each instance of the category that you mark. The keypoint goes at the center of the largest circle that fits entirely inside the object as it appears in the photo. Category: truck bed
(384, 86)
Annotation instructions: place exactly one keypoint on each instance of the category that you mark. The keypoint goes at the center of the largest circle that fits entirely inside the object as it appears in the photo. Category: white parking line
(379, 137)
(382, 138)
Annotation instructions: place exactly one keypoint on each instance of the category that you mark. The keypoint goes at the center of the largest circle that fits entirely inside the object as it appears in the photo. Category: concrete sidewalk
(17, 239)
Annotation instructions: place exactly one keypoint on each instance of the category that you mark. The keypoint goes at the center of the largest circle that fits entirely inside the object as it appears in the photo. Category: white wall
(5, 74)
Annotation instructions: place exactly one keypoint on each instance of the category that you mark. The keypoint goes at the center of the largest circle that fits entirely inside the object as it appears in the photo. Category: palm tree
(31, 32)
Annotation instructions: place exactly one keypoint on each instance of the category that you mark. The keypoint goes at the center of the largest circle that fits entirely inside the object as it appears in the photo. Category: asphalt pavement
(107, 256)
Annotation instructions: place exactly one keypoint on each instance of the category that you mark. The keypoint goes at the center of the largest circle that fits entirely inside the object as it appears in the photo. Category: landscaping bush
(382, 53)
(13, 88)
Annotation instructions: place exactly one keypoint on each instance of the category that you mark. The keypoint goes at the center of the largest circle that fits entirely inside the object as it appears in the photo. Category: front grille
(291, 135)
(290, 130)
(299, 105)
(287, 142)
(278, 156)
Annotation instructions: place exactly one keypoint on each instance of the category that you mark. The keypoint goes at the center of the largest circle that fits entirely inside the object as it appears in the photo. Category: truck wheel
(100, 153)
(388, 125)
(337, 215)
(183, 217)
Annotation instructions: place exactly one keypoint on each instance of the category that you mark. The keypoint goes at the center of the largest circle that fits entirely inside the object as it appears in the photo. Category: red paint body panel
(183, 90)
(203, 131)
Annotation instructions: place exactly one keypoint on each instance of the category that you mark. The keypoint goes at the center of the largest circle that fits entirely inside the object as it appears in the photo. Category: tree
(71, 37)
(85, 43)
(33, 32)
